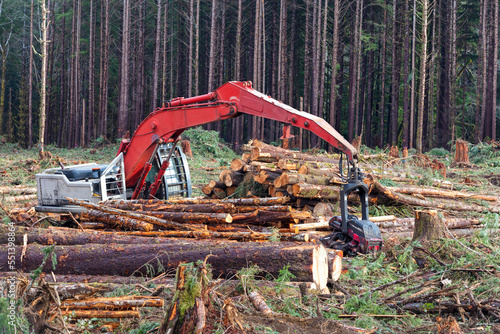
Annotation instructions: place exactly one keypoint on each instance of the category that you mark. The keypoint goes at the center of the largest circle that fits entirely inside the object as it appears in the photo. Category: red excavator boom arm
(228, 101)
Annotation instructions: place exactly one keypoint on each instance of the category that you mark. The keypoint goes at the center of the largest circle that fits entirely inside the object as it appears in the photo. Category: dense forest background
(415, 73)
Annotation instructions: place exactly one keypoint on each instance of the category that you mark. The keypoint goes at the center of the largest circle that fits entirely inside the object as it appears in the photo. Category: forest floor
(386, 293)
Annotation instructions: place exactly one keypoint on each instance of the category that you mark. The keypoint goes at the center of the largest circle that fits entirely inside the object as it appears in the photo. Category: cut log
(326, 172)
(236, 201)
(231, 190)
(245, 157)
(146, 217)
(223, 173)
(335, 266)
(441, 193)
(115, 220)
(69, 236)
(191, 217)
(288, 178)
(219, 193)
(377, 188)
(89, 314)
(286, 164)
(263, 217)
(20, 198)
(307, 262)
(316, 191)
(237, 165)
(233, 179)
(112, 303)
(279, 208)
(269, 154)
(18, 190)
(325, 209)
(215, 206)
(259, 302)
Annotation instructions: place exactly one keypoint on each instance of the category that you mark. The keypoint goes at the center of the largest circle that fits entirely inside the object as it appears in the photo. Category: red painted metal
(142, 179)
(156, 184)
(230, 100)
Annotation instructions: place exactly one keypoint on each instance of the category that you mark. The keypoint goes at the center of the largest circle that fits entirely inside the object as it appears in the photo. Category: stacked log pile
(312, 180)
(227, 230)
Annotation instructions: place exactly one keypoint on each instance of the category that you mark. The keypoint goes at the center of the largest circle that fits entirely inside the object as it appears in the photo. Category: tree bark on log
(116, 220)
(316, 191)
(191, 217)
(146, 217)
(268, 154)
(307, 262)
(219, 207)
(265, 201)
(288, 178)
(441, 193)
(112, 303)
(376, 187)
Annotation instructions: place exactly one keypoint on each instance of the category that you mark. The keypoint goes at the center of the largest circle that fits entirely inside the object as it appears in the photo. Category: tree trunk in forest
(196, 63)
(335, 51)
(306, 261)
(359, 82)
(353, 73)
(429, 125)
(491, 65)
(91, 129)
(406, 72)
(413, 71)
(104, 69)
(307, 60)
(222, 38)
(156, 64)
(382, 79)
(423, 68)
(30, 83)
(478, 133)
(4, 50)
(324, 55)
(395, 78)
(165, 55)
(140, 84)
(238, 122)
(369, 89)
(212, 60)
(484, 67)
(123, 112)
(256, 62)
(43, 83)
(190, 49)
(75, 83)
(453, 68)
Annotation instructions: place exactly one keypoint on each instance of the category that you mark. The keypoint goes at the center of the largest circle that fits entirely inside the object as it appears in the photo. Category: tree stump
(187, 313)
(428, 226)
(428, 229)
(186, 148)
(394, 152)
(462, 152)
